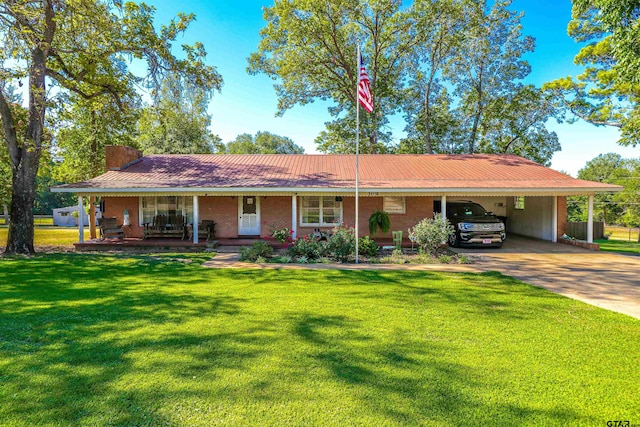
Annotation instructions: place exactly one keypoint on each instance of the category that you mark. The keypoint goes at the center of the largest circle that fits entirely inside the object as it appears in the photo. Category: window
(393, 205)
(518, 202)
(151, 206)
(320, 210)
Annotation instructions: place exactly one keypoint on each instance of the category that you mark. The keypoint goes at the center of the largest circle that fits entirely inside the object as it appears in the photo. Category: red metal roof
(402, 172)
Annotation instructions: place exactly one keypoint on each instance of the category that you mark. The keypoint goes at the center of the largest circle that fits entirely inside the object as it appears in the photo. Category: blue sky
(247, 104)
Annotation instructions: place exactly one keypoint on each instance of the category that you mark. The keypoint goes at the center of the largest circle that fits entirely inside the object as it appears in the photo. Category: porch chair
(109, 228)
(397, 239)
(206, 229)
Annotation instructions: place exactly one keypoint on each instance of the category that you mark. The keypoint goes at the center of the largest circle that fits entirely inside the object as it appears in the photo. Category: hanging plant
(379, 220)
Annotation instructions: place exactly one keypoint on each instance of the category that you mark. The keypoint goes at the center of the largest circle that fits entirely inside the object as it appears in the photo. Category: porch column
(80, 220)
(294, 216)
(590, 221)
(554, 220)
(196, 219)
(443, 207)
(92, 217)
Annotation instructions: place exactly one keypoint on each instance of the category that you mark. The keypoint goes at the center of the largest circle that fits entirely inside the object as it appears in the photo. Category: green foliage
(367, 247)
(84, 127)
(607, 93)
(307, 247)
(430, 234)
(257, 250)
(379, 220)
(396, 257)
(177, 122)
(46, 201)
(80, 48)
(612, 208)
(309, 47)
(263, 143)
(341, 245)
(412, 54)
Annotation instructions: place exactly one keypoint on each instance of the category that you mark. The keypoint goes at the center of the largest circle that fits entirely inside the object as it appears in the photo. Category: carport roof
(384, 173)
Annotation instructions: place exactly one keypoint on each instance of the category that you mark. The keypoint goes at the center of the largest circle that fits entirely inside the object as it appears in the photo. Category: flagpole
(357, 147)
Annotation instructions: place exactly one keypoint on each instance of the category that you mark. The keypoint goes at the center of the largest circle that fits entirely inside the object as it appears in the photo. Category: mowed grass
(50, 236)
(97, 340)
(621, 240)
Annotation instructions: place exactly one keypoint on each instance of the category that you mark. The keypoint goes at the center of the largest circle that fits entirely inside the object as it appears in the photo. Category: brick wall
(417, 208)
(115, 206)
(224, 211)
(562, 216)
(116, 156)
(275, 212)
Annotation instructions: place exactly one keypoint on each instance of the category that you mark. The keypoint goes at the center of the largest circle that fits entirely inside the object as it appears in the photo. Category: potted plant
(379, 220)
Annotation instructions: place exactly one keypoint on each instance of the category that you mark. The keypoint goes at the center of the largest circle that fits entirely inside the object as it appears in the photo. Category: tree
(340, 135)
(445, 134)
(263, 143)
(79, 47)
(438, 27)
(607, 93)
(85, 127)
(516, 123)
(309, 48)
(609, 168)
(177, 122)
(486, 67)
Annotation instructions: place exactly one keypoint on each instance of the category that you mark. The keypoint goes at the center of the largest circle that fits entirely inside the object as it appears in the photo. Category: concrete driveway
(604, 279)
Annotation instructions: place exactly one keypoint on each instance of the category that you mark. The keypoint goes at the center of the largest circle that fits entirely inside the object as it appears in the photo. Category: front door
(248, 216)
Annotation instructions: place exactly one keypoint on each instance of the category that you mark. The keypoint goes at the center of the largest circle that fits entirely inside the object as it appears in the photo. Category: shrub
(308, 247)
(285, 259)
(431, 233)
(302, 260)
(445, 259)
(396, 257)
(463, 259)
(281, 233)
(342, 244)
(367, 247)
(257, 250)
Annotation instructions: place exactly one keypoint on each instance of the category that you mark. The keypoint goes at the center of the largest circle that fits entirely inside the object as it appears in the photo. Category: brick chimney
(117, 156)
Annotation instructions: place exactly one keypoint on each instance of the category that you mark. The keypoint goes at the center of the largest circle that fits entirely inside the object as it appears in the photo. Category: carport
(530, 212)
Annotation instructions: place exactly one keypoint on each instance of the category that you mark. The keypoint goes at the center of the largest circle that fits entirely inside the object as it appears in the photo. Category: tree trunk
(20, 238)
(474, 131)
(427, 113)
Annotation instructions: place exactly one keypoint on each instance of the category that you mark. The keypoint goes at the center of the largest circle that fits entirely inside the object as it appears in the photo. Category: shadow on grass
(120, 340)
(408, 381)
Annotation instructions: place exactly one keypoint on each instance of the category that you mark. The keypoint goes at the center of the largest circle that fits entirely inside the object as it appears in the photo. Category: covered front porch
(246, 217)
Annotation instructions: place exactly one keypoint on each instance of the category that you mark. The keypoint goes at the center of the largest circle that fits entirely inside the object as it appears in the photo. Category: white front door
(248, 216)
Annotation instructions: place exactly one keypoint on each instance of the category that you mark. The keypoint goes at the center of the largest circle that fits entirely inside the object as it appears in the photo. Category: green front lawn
(50, 236)
(619, 246)
(155, 340)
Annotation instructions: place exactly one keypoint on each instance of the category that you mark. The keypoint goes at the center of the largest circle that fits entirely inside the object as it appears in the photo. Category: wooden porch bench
(206, 229)
(165, 226)
(109, 228)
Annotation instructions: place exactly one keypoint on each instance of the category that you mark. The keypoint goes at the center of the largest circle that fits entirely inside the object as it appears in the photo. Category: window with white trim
(151, 206)
(320, 211)
(393, 205)
(518, 202)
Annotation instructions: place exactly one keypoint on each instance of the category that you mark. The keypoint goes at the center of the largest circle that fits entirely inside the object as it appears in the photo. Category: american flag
(364, 89)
